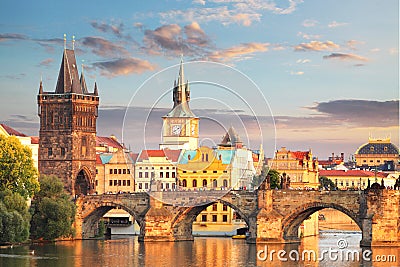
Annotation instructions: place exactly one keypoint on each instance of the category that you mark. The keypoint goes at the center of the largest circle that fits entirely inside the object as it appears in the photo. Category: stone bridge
(273, 216)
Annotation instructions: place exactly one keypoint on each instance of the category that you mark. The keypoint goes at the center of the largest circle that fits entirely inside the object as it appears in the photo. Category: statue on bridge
(397, 184)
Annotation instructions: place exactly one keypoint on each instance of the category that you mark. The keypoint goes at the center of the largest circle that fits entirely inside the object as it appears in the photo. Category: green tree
(53, 211)
(17, 172)
(14, 217)
(275, 180)
(325, 182)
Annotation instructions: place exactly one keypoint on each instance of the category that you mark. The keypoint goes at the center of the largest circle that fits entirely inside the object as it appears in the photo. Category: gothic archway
(82, 184)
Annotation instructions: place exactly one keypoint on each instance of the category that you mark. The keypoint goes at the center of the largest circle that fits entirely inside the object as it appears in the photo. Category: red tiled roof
(98, 159)
(12, 131)
(34, 139)
(172, 155)
(134, 156)
(299, 154)
(358, 173)
(109, 141)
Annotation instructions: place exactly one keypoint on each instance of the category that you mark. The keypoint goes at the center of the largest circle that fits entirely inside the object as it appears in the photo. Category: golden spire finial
(65, 41)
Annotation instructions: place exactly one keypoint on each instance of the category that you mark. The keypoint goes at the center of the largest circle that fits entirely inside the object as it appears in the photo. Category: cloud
(18, 76)
(335, 24)
(309, 23)
(353, 43)
(242, 12)
(46, 62)
(296, 72)
(237, 52)
(103, 47)
(200, 2)
(361, 112)
(123, 66)
(171, 39)
(342, 56)
(303, 61)
(107, 28)
(12, 36)
(309, 36)
(317, 46)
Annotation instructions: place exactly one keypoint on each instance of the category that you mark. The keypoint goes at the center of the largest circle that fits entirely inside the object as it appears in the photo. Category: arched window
(184, 183)
(207, 157)
(194, 183)
(225, 183)
(204, 183)
(215, 184)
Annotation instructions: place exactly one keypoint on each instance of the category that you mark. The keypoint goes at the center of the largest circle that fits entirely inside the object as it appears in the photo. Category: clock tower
(180, 125)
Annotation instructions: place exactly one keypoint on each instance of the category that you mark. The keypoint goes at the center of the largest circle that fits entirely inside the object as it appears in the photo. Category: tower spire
(73, 42)
(40, 86)
(65, 41)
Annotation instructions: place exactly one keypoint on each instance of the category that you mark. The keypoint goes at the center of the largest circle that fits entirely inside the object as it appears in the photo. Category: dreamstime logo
(340, 254)
(219, 97)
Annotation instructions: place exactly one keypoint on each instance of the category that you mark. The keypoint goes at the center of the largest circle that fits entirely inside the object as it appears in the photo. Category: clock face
(176, 129)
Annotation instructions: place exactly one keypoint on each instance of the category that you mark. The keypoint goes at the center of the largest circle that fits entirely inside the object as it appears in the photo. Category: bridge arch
(98, 210)
(182, 223)
(292, 222)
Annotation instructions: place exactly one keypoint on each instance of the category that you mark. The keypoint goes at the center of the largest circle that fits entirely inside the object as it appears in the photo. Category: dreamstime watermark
(339, 254)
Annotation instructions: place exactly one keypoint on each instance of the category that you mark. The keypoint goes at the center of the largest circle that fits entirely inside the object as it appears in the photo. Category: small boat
(239, 237)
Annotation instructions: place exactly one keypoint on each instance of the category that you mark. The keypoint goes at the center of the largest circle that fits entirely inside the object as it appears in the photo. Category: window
(194, 183)
(119, 183)
(115, 171)
(204, 171)
(203, 218)
(184, 171)
(167, 168)
(173, 174)
(371, 148)
(173, 185)
(140, 174)
(161, 174)
(167, 175)
(62, 151)
(184, 183)
(215, 207)
(124, 171)
(225, 171)
(111, 171)
(215, 184)
(146, 186)
(224, 207)
(225, 183)
(115, 182)
(146, 175)
(214, 218)
(50, 152)
(204, 183)
(161, 168)
(162, 186)
(110, 182)
(128, 171)
(224, 218)
(140, 185)
(167, 185)
(128, 182)
(215, 171)
(97, 182)
(97, 171)
(124, 182)
(206, 157)
(119, 171)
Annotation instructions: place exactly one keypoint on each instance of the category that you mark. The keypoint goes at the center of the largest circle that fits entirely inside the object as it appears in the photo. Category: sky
(296, 73)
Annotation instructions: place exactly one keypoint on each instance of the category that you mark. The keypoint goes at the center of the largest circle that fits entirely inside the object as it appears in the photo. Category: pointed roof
(83, 83)
(181, 97)
(68, 77)
(231, 138)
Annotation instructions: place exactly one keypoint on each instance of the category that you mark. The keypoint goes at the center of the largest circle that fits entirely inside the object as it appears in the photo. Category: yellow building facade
(299, 166)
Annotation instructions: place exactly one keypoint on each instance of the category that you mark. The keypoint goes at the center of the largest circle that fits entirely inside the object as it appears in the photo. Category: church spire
(40, 86)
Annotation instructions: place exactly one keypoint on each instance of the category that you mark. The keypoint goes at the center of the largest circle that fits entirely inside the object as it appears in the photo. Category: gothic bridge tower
(180, 125)
(67, 136)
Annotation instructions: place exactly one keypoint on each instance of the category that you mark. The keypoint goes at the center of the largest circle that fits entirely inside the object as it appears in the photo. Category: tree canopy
(17, 172)
(325, 182)
(53, 211)
(275, 180)
(14, 217)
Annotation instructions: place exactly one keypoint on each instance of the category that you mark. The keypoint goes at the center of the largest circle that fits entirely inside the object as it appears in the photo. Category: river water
(330, 247)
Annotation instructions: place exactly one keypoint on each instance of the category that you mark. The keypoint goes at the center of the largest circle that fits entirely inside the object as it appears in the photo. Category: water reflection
(123, 251)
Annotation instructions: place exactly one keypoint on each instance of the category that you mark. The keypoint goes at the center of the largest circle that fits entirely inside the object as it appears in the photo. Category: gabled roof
(109, 141)
(12, 131)
(34, 139)
(170, 154)
(231, 138)
(300, 154)
(352, 173)
(68, 78)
